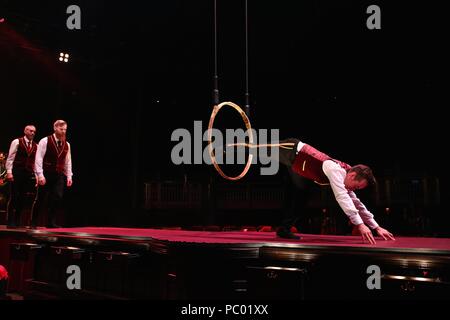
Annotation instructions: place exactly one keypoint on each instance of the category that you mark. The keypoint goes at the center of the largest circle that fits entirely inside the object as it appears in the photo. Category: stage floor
(181, 264)
(249, 238)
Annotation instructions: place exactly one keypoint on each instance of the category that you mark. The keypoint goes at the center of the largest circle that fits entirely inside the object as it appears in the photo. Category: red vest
(308, 163)
(25, 157)
(55, 158)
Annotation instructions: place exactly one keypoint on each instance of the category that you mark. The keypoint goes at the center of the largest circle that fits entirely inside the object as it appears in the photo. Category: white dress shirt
(12, 153)
(40, 153)
(347, 200)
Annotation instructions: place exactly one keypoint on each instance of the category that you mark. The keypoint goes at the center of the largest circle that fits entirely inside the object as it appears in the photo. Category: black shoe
(286, 234)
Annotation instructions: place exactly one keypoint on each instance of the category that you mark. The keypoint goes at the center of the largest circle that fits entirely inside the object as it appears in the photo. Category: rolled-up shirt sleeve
(336, 176)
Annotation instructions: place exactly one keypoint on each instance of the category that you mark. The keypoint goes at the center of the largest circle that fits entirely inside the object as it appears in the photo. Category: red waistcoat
(55, 158)
(25, 156)
(308, 163)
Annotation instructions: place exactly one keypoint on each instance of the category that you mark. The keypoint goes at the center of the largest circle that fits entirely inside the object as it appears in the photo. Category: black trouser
(51, 193)
(23, 182)
(296, 186)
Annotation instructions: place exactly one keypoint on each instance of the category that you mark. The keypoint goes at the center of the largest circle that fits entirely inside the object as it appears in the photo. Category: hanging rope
(244, 115)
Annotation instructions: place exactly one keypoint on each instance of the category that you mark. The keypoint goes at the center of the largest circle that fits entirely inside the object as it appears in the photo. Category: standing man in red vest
(308, 162)
(54, 172)
(20, 173)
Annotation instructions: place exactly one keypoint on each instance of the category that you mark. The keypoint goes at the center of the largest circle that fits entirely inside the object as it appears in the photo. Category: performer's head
(60, 127)
(29, 131)
(359, 177)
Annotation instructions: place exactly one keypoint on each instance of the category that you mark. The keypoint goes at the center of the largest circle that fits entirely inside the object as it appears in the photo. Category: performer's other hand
(386, 235)
(41, 181)
(9, 177)
(69, 182)
(366, 233)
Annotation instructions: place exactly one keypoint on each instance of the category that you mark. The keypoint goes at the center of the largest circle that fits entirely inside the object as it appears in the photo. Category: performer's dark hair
(364, 172)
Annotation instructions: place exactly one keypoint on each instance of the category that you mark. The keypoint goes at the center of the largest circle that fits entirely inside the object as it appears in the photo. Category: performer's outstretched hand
(386, 235)
(366, 233)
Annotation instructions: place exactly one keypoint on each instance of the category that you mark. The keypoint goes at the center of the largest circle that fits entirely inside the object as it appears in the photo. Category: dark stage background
(140, 69)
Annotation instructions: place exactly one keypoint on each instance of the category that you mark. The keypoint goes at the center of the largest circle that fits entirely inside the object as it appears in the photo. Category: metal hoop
(250, 135)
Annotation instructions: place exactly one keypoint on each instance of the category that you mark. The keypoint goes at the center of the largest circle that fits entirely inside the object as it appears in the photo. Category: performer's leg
(15, 203)
(287, 155)
(11, 206)
(56, 191)
(296, 196)
(36, 208)
(295, 188)
(41, 198)
(22, 184)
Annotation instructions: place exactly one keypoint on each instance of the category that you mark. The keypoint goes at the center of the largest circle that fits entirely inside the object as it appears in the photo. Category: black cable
(216, 77)
(247, 94)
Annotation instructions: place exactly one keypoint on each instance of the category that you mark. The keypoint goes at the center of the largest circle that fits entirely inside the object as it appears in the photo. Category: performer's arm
(68, 166)
(40, 153)
(11, 156)
(365, 214)
(336, 176)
